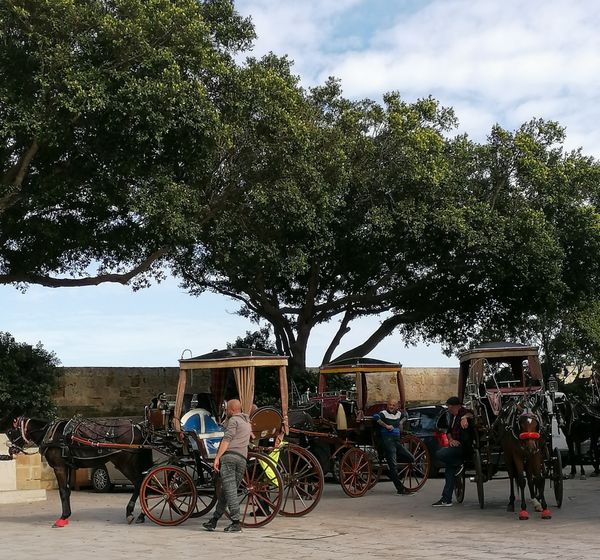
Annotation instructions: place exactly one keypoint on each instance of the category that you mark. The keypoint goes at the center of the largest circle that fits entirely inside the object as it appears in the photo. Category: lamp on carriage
(552, 384)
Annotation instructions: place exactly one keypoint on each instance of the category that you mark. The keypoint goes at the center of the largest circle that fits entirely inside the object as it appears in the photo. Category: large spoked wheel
(355, 472)
(459, 486)
(557, 476)
(205, 480)
(414, 474)
(168, 495)
(302, 480)
(479, 477)
(376, 466)
(261, 491)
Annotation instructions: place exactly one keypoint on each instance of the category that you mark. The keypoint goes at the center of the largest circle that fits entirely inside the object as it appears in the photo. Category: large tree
(114, 132)
(353, 209)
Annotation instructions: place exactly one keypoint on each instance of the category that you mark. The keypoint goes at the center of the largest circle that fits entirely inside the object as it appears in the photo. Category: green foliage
(113, 128)
(28, 379)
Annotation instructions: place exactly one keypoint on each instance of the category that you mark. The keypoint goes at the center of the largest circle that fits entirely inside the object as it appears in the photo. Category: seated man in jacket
(453, 456)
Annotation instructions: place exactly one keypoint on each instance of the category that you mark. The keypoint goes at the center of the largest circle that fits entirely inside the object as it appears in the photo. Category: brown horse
(71, 444)
(522, 436)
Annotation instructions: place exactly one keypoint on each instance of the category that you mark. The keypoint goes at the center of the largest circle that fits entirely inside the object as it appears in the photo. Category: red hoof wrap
(523, 515)
(61, 523)
(546, 514)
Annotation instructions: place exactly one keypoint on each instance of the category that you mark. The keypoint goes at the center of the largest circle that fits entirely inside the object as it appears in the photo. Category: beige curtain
(283, 388)
(244, 381)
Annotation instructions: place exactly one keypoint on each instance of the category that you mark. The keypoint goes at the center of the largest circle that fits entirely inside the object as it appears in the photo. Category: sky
(493, 62)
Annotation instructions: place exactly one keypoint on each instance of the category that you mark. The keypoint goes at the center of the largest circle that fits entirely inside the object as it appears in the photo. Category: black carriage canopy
(243, 363)
(472, 363)
(361, 367)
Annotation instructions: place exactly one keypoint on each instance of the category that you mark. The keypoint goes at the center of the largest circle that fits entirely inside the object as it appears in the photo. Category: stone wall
(118, 391)
(429, 385)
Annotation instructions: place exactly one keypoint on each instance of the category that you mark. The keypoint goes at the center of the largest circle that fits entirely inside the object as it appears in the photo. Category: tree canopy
(114, 131)
(354, 208)
(28, 378)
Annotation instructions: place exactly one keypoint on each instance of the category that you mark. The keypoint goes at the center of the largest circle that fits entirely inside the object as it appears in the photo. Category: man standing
(230, 463)
(453, 456)
(390, 422)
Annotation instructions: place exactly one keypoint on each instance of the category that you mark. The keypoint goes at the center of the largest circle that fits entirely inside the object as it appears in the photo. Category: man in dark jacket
(453, 456)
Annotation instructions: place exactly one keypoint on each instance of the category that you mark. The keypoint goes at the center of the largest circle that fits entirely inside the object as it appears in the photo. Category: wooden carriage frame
(360, 465)
(287, 480)
(486, 403)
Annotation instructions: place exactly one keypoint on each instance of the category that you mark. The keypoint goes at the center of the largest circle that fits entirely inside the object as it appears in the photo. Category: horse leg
(523, 515)
(533, 492)
(63, 478)
(571, 457)
(511, 499)
(580, 460)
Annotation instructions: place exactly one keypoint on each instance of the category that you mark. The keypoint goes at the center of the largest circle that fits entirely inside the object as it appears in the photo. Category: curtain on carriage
(244, 380)
(218, 378)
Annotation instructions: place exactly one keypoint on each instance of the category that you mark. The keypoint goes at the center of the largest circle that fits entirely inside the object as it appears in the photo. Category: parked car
(105, 478)
(429, 423)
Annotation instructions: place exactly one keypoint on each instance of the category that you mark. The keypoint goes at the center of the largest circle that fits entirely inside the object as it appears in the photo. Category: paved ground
(378, 525)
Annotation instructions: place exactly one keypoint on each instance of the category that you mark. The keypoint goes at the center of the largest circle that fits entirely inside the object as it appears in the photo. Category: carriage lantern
(552, 384)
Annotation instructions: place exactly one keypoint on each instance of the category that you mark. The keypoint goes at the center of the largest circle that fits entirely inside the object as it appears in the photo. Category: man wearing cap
(453, 455)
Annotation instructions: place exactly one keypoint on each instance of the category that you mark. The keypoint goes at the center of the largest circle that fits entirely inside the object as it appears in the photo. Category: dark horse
(523, 434)
(579, 422)
(71, 444)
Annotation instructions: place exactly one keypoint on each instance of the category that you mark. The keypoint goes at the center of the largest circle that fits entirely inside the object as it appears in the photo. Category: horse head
(25, 433)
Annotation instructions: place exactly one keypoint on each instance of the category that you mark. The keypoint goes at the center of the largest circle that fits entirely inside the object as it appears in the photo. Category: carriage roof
(362, 367)
(472, 362)
(243, 362)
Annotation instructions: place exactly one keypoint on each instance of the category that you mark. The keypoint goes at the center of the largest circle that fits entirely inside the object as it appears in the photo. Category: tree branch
(15, 176)
(88, 281)
(385, 329)
(343, 330)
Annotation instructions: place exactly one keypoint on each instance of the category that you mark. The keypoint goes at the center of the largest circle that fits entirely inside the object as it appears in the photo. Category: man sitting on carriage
(390, 421)
(454, 455)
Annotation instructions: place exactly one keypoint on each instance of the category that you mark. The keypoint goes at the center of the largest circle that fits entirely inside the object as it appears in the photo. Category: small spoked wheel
(302, 480)
(414, 474)
(355, 472)
(168, 495)
(205, 480)
(557, 476)
(261, 491)
(459, 486)
(479, 479)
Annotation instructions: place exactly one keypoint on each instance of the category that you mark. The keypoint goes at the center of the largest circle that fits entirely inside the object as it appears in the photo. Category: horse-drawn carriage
(502, 384)
(339, 429)
(283, 479)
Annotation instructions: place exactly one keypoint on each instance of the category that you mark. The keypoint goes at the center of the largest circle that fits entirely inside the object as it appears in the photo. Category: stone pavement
(379, 525)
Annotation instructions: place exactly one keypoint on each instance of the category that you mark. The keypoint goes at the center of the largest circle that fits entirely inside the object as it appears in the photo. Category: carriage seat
(267, 422)
(207, 430)
(375, 408)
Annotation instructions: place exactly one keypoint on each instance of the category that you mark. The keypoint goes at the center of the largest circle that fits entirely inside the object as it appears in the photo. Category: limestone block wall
(429, 385)
(118, 391)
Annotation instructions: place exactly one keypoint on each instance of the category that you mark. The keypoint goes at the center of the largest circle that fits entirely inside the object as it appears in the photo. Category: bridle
(21, 424)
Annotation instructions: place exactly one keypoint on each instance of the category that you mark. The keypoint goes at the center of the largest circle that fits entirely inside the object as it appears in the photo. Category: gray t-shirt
(237, 433)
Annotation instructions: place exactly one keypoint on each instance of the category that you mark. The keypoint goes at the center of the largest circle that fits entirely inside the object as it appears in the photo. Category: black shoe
(404, 492)
(442, 503)
(235, 527)
(210, 525)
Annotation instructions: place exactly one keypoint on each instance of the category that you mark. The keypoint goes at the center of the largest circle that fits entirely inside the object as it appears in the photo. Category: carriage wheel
(261, 491)
(302, 480)
(479, 477)
(355, 472)
(459, 486)
(414, 475)
(206, 488)
(376, 466)
(557, 477)
(168, 495)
